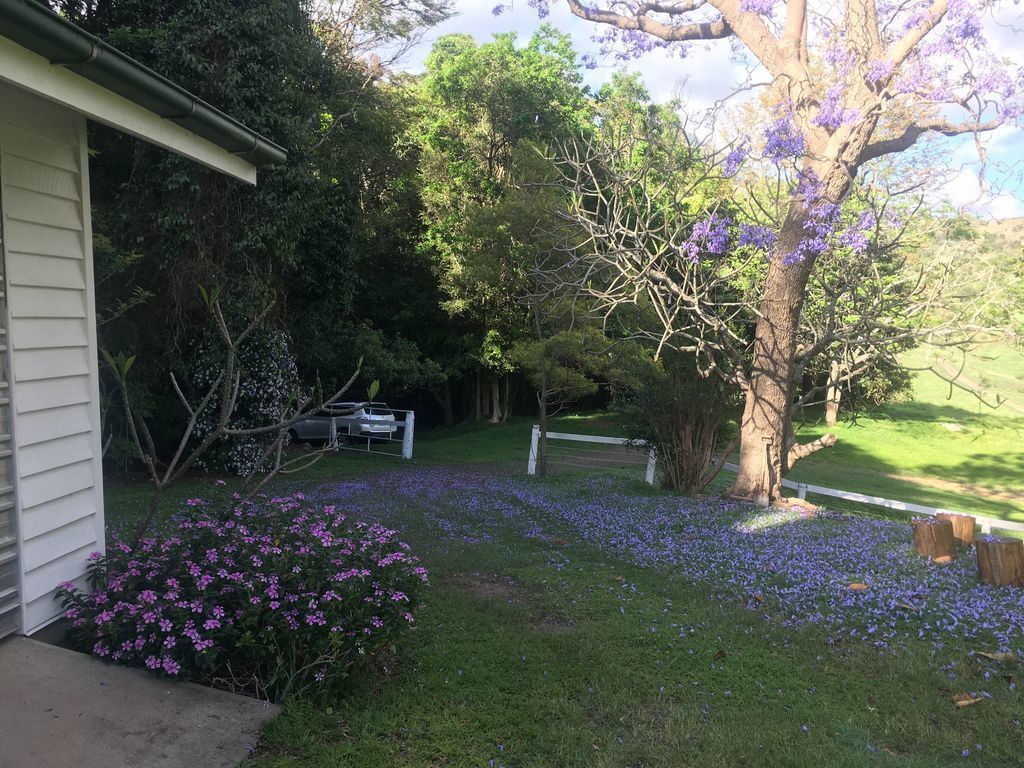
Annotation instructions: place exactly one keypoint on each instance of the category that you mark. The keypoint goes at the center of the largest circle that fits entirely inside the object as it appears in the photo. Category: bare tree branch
(226, 387)
(640, 21)
(914, 131)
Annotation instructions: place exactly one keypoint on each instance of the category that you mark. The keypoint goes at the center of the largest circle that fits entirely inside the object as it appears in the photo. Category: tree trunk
(506, 395)
(768, 447)
(495, 390)
(963, 527)
(478, 396)
(1000, 561)
(933, 538)
(542, 418)
(444, 399)
(833, 395)
(766, 426)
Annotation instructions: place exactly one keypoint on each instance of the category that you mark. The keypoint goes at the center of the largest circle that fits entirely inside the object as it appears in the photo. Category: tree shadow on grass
(931, 413)
(999, 472)
(983, 484)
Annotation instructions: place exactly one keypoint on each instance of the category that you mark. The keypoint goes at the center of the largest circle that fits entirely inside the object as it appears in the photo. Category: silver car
(351, 421)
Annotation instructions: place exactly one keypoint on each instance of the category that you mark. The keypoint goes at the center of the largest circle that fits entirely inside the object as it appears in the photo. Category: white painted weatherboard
(56, 423)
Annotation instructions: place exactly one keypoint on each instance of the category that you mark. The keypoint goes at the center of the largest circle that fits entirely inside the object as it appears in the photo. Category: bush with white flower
(275, 597)
(267, 383)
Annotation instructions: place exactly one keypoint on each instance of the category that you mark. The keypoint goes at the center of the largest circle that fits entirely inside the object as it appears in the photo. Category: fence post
(531, 465)
(651, 461)
(407, 434)
(801, 491)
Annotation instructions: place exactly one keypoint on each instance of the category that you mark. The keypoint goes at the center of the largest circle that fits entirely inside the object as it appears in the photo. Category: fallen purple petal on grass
(799, 567)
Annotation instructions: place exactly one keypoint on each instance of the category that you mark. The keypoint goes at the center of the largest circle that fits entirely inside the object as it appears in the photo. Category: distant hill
(995, 372)
(1008, 232)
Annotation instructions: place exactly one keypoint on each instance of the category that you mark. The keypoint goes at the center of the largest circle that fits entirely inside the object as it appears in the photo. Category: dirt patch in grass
(495, 587)
(553, 625)
(489, 586)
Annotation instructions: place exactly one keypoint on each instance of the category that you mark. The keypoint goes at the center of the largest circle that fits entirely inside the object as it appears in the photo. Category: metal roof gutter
(43, 32)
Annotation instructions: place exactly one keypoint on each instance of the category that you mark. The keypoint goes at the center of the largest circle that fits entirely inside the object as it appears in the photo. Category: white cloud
(963, 192)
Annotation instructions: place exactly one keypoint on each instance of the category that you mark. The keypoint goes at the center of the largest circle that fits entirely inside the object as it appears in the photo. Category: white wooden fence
(407, 426)
(802, 489)
(531, 466)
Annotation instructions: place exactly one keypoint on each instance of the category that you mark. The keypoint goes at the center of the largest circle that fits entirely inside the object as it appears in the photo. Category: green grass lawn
(532, 654)
(999, 368)
(471, 443)
(908, 452)
(943, 449)
(548, 652)
(552, 653)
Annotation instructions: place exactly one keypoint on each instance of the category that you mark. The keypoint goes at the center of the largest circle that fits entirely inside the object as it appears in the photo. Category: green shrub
(266, 385)
(679, 414)
(276, 597)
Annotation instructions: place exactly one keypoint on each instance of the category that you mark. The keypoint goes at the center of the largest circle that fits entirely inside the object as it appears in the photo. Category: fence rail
(802, 489)
(531, 466)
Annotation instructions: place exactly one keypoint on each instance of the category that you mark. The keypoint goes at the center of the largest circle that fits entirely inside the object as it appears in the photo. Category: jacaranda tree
(852, 81)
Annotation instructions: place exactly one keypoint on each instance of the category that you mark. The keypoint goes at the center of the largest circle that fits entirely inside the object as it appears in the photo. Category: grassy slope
(582, 663)
(490, 676)
(940, 449)
(999, 368)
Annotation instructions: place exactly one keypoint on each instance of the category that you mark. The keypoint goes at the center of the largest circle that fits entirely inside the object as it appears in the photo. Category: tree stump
(934, 538)
(1000, 561)
(963, 527)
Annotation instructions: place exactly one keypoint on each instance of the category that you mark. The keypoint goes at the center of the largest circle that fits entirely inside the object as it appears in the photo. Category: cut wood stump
(934, 538)
(963, 527)
(1000, 561)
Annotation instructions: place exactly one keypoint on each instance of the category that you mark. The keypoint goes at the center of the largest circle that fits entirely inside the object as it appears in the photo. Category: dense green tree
(483, 107)
(302, 238)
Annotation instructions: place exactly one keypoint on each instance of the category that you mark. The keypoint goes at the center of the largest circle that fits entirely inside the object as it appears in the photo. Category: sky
(709, 73)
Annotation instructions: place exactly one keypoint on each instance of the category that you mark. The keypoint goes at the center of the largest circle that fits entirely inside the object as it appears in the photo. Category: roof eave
(41, 31)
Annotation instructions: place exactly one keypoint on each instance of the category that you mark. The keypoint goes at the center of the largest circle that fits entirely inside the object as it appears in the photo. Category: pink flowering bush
(276, 597)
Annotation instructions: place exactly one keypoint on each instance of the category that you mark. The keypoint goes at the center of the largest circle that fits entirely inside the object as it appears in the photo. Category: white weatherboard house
(53, 77)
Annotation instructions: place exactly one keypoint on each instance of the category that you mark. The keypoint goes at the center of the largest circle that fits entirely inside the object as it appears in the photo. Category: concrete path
(62, 709)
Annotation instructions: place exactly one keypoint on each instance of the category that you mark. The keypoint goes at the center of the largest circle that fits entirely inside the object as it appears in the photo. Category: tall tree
(483, 104)
(858, 80)
(300, 74)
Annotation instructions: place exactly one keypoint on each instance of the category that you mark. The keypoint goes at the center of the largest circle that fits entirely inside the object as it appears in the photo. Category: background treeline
(404, 231)
(378, 241)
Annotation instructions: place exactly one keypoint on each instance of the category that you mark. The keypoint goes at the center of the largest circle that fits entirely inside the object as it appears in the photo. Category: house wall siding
(54, 388)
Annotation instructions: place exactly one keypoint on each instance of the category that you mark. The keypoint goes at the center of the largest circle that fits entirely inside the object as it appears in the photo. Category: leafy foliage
(277, 597)
(267, 385)
(680, 415)
(484, 107)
